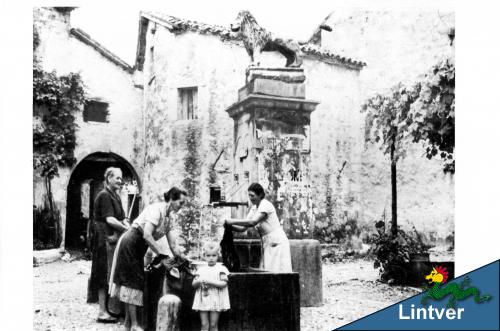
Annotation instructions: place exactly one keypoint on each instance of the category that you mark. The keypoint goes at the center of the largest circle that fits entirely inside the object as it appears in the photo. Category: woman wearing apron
(127, 276)
(275, 246)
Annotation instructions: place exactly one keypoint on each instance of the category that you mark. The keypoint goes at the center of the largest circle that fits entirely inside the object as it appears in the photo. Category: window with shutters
(187, 103)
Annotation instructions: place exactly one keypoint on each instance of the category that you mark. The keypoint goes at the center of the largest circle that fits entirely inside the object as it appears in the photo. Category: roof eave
(323, 56)
(86, 39)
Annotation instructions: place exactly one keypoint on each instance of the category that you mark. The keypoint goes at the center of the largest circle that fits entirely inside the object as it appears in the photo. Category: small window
(95, 111)
(188, 103)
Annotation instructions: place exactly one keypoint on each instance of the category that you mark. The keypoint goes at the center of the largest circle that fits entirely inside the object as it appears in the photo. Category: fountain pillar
(272, 146)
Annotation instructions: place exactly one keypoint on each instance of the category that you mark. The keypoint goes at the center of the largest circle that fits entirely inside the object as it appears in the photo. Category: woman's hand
(116, 224)
(148, 237)
(126, 223)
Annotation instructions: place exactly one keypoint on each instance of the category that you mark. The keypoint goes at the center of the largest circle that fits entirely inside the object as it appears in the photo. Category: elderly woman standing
(275, 246)
(109, 218)
(128, 276)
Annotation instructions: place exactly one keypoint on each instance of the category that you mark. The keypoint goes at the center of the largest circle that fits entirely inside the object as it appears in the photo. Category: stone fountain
(271, 146)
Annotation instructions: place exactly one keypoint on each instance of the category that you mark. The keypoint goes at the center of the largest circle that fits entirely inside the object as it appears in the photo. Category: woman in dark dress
(109, 218)
(128, 267)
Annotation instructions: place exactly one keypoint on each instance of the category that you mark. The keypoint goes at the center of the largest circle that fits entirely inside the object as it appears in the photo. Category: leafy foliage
(45, 228)
(387, 118)
(188, 218)
(432, 116)
(392, 253)
(424, 112)
(387, 122)
(55, 99)
(338, 229)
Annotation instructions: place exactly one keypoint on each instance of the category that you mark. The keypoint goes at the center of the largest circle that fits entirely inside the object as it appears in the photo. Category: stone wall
(398, 46)
(181, 152)
(103, 80)
(351, 180)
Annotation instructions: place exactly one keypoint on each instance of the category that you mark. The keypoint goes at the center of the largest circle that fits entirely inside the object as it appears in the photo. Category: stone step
(47, 255)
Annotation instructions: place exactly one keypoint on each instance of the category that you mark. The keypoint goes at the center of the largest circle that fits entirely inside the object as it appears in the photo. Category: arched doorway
(86, 180)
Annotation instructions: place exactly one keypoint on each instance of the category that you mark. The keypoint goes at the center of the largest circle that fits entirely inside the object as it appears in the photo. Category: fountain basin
(259, 301)
(262, 301)
(306, 260)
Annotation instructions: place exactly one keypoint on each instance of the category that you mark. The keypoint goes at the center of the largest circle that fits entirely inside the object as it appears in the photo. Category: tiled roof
(178, 25)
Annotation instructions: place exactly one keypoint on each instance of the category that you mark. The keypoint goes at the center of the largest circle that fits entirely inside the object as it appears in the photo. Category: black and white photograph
(239, 167)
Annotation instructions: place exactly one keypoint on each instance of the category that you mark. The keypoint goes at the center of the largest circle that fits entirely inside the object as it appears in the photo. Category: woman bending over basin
(262, 216)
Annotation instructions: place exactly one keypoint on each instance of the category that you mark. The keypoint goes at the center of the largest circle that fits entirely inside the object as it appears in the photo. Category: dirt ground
(350, 291)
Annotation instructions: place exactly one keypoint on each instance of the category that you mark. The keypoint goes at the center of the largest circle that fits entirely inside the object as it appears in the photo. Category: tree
(422, 113)
(387, 124)
(432, 116)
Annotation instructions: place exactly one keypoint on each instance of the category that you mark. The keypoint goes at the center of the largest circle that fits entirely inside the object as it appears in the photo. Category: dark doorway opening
(85, 182)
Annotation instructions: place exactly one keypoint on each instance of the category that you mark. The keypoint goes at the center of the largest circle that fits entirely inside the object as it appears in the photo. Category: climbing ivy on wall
(55, 100)
(191, 213)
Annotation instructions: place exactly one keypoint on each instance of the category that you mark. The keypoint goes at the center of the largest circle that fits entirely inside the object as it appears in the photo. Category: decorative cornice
(253, 101)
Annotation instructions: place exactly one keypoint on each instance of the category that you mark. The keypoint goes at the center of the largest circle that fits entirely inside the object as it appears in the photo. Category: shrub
(392, 253)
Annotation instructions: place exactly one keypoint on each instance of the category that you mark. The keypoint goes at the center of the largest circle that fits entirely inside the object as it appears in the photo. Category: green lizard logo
(438, 276)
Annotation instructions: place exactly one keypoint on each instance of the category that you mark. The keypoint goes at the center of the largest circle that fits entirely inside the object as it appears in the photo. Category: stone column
(272, 146)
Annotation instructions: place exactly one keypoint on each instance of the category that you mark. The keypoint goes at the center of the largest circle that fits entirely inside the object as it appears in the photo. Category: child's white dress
(217, 298)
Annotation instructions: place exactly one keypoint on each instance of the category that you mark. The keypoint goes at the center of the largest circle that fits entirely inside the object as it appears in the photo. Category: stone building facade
(167, 117)
(399, 46)
(178, 54)
(108, 82)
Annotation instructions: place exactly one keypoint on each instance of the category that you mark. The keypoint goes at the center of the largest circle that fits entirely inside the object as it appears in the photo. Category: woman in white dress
(275, 246)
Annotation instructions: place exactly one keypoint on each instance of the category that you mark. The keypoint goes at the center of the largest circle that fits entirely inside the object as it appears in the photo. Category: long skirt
(276, 255)
(99, 270)
(128, 269)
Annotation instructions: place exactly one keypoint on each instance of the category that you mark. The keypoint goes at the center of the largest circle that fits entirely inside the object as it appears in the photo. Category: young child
(211, 295)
